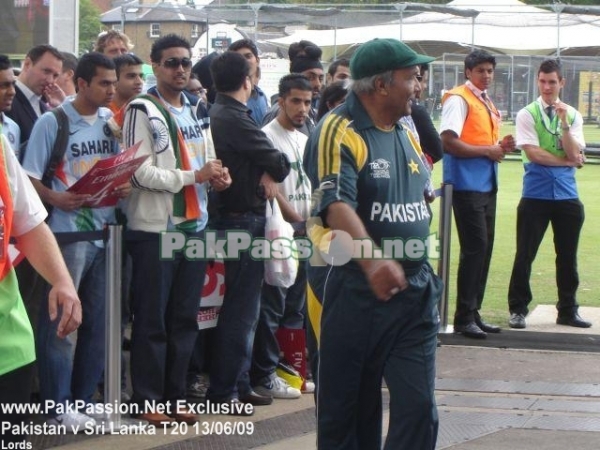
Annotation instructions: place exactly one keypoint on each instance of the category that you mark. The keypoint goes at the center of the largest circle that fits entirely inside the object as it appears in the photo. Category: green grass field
(590, 131)
(543, 283)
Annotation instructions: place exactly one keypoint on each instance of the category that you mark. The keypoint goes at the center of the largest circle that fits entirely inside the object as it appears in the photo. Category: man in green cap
(379, 318)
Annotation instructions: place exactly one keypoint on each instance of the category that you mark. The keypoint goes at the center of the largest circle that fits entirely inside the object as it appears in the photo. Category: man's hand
(508, 143)
(41, 249)
(64, 296)
(386, 277)
(68, 201)
(561, 111)
(223, 182)
(54, 95)
(496, 153)
(122, 190)
(269, 185)
(212, 169)
(578, 163)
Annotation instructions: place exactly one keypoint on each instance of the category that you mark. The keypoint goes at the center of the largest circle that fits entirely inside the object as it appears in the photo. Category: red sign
(102, 179)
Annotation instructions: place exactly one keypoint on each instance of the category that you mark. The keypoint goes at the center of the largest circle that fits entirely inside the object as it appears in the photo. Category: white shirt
(525, 127)
(296, 187)
(455, 110)
(34, 100)
(28, 210)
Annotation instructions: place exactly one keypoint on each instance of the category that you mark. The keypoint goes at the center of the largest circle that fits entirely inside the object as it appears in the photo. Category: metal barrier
(112, 367)
(445, 234)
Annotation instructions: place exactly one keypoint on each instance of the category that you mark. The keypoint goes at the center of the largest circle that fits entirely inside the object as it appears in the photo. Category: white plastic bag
(281, 267)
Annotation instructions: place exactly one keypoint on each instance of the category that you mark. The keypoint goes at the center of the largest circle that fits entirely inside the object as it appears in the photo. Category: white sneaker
(199, 387)
(73, 421)
(309, 387)
(278, 388)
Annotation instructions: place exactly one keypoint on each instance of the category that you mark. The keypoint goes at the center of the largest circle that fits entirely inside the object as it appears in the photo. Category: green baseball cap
(380, 55)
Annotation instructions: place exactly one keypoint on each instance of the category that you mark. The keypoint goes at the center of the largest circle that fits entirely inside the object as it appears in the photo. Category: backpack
(58, 150)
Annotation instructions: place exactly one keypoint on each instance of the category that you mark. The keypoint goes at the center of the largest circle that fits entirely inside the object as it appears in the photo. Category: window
(155, 30)
(117, 27)
(195, 30)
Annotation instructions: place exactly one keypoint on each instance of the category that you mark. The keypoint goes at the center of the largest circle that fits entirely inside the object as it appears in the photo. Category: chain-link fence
(515, 83)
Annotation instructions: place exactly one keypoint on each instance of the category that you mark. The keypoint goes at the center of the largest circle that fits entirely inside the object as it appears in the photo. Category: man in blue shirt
(70, 368)
(550, 134)
(10, 129)
(257, 103)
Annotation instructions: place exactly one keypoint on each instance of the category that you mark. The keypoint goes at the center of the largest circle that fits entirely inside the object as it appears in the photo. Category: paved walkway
(489, 398)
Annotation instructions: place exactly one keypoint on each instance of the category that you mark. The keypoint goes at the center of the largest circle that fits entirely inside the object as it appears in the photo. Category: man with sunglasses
(470, 134)
(170, 194)
(550, 135)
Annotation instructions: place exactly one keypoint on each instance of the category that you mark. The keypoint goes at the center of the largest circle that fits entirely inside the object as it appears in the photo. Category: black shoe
(517, 320)
(573, 320)
(256, 399)
(487, 327)
(470, 330)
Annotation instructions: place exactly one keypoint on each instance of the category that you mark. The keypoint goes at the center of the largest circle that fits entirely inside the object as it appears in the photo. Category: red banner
(102, 179)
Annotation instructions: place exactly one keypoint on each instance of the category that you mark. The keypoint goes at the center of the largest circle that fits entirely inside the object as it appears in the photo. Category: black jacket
(248, 153)
(22, 113)
(429, 137)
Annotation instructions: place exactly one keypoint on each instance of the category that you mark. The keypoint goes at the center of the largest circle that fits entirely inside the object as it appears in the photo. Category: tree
(89, 25)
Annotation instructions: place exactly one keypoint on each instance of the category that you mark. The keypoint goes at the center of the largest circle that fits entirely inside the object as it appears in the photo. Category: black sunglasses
(174, 63)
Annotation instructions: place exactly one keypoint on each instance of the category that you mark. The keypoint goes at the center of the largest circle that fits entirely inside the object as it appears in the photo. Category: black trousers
(475, 216)
(533, 217)
(15, 389)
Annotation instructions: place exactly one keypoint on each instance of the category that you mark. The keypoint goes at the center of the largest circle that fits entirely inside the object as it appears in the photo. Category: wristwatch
(566, 127)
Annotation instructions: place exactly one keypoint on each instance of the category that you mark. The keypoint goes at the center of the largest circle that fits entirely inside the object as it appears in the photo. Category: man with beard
(283, 308)
(305, 59)
(170, 194)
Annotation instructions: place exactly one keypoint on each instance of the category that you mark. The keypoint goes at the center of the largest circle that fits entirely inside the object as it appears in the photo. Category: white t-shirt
(296, 186)
(28, 210)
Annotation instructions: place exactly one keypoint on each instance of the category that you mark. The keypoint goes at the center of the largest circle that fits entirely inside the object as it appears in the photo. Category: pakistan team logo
(380, 168)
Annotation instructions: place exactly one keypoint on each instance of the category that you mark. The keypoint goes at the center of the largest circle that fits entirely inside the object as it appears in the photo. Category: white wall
(64, 25)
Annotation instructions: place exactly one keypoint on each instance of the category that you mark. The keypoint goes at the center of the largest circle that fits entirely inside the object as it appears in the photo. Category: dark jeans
(234, 335)
(279, 307)
(165, 306)
(475, 216)
(15, 389)
(533, 217)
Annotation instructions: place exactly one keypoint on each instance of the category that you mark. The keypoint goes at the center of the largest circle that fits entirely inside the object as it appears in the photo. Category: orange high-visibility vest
(6, 214)
(483, 120)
